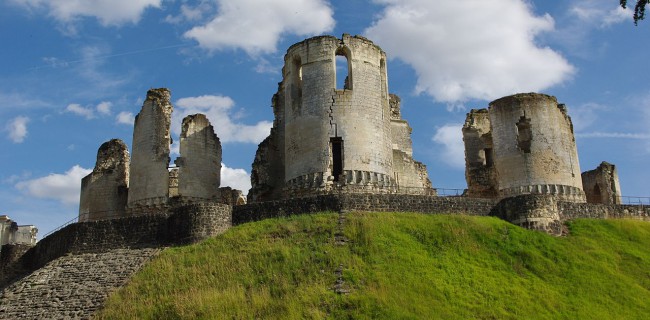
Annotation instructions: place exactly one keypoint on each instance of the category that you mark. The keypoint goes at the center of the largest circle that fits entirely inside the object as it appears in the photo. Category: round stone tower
(534, 147)
(336, 132)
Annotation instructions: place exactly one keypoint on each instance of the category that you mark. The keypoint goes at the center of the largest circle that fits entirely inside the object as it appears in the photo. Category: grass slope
(398, 266)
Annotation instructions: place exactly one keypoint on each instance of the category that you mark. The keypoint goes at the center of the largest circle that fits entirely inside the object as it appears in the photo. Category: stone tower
(534, 147)
(328, 134)
(149, 177)
(199, 164)
(601, 184)
(104, 191)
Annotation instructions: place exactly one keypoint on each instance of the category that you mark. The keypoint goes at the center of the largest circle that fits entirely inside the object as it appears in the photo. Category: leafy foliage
(639, 9)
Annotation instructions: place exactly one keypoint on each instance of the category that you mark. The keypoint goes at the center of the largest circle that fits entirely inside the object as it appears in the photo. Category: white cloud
(189, 13)
(108, 12)
(600, 13)
(125, 117)
(219, 111)
(463, 50)
(79, 110)
(256, 28)
(450, 137)
(61, 187)
(17, 129)
(235, 178)
(104, 107)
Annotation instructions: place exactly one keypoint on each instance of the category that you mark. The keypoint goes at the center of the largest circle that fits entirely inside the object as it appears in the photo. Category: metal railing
(632, 200)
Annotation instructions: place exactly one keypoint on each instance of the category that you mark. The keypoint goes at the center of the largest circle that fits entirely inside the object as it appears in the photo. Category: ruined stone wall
(149, 178)
(548, 212)
(199, 163)
(182, 224)
(601, 184)
(480, 172)
(400, 129)
(362, 202)
(534, 147)
(315, 111)
(411, 176)
(407, 173)
(104, 192)
(267, 173)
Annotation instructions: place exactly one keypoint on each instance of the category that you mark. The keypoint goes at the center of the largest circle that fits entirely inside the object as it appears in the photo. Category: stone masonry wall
(72, 286)
(186, 223)
(104, 191)
(534, 147)
(199, 163)
(601, 184)
(480, 172)
(149, 177)
(362, 202)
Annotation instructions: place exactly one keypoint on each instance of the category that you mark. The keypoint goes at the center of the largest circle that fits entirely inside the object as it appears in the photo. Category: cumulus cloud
(63, 187)
(256, 28)
(463, 50)
(17, 129)
(219, 111)
(190, 13)
(125, 117)
(104, 107)
(450, 137)
(235, 178)
(80, 111)
(108, 12)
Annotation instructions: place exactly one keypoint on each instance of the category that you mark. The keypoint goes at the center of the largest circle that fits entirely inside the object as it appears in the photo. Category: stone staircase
(73, 286)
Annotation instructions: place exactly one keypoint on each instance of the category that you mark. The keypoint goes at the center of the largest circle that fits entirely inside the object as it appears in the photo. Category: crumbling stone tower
(601, 184)
(480, 172)
(115, 189)
(325, 135)
(199, 164)
(104, 191)
(528, 149)
(149, 179)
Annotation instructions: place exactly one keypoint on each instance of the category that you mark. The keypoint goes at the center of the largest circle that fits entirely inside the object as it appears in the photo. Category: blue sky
(74, 73)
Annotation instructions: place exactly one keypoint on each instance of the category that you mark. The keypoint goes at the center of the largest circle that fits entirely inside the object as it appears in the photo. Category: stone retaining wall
(362, 202)
(185, 224)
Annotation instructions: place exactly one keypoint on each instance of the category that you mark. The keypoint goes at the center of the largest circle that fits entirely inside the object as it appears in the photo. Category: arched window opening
(342, 69)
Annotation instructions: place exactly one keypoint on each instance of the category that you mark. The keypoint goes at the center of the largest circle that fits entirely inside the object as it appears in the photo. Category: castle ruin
(121, 186)
(325, 136)
(522, 144)
(333, 147)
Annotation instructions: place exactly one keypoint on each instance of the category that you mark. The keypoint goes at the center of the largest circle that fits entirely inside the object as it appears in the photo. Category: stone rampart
(362, 202)
(185, 224)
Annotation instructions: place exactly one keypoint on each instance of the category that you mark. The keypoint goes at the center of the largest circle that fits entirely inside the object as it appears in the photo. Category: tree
(639, 9)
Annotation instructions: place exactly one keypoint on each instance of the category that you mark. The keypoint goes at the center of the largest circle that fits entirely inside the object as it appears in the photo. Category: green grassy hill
(397, 266)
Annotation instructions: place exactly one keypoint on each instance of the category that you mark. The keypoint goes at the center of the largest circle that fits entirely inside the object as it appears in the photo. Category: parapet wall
(362, 202)
(548, 213)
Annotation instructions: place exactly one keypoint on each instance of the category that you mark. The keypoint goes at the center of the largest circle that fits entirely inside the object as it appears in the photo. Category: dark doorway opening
(337, 157)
